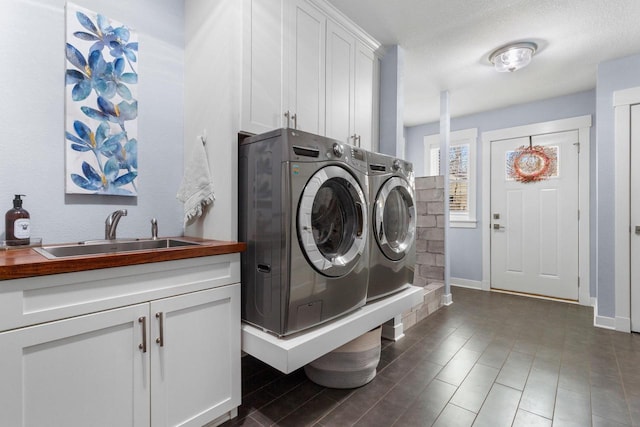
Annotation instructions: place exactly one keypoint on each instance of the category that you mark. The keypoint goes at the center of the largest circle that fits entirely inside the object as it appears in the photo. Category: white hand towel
(196, 189)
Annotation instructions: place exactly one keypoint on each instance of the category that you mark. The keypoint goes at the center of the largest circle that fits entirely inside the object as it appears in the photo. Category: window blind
(458, 175)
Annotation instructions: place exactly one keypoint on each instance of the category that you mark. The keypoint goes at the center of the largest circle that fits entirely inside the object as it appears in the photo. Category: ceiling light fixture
(512, 57)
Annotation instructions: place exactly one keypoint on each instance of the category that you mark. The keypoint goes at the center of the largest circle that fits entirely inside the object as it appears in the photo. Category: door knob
(638, 229)
(497, 227)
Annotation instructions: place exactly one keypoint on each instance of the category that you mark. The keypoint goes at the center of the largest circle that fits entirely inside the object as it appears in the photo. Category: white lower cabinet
(195, 357)
(169, 362)
(83, 371)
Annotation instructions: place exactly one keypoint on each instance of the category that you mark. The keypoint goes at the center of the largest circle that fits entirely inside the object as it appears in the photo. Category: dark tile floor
(489, 359)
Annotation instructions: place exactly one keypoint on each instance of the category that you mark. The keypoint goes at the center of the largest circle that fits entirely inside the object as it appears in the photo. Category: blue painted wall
(391, 101)
(466, 244)
(32, 140)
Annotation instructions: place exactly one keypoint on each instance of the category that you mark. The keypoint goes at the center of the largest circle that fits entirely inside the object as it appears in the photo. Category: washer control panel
(357, 154)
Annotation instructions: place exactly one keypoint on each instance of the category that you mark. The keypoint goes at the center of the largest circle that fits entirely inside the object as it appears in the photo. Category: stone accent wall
(429, 267)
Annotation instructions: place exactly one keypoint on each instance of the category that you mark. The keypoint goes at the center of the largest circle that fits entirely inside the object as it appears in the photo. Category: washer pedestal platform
(290, 353)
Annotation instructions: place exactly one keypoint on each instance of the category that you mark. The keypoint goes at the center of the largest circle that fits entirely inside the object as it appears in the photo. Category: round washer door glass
(332, 221)
(395, 218)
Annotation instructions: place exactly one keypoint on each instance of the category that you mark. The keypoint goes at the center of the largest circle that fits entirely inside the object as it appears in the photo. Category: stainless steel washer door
(332, 221)
(394, 218)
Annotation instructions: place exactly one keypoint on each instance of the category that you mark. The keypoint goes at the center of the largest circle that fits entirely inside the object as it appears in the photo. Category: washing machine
(303, 213)
(393, 225)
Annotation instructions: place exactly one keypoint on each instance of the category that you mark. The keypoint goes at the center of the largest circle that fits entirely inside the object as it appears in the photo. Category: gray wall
(32, 143)
(613, 75)
(466, 244)
(392, 102)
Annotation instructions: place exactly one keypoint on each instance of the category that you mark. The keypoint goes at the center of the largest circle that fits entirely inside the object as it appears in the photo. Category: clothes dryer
(303, 213)
(393, 225)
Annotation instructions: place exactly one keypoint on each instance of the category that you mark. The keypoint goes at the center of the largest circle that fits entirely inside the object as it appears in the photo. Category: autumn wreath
(531, 164)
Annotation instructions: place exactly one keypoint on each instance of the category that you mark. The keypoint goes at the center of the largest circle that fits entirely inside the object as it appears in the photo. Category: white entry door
(635, 218)
(534, 225)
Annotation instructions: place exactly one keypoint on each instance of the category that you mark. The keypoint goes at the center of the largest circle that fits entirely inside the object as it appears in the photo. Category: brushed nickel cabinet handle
(295, 121)
(288, 116)
(160, 339)
(143, 346)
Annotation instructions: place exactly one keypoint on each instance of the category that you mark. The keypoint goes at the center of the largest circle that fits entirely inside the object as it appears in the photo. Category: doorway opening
(527, 253)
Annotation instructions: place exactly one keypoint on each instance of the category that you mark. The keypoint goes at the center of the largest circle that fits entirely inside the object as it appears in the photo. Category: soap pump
(17, 224)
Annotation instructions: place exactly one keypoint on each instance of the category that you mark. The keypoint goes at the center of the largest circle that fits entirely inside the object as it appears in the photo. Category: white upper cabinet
(350, 88)
(341, 46)
(306, 66)
(263, 103)
(365, 89)
(306, 70)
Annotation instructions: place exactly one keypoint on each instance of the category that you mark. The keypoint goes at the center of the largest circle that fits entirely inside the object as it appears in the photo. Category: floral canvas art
(101, 105)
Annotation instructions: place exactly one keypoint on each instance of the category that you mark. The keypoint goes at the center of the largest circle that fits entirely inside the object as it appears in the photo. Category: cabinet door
(263, 104)
(306, 82)
(363, 100)
(83, 371)
(340, 78)
(195, 359)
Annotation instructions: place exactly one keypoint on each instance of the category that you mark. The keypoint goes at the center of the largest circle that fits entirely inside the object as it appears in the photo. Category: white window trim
(466, 136)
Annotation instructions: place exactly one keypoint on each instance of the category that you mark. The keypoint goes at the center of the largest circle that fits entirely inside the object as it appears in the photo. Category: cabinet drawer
(30, 301)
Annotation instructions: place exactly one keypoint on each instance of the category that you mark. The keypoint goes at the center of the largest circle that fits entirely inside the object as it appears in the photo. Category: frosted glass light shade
(513, 57)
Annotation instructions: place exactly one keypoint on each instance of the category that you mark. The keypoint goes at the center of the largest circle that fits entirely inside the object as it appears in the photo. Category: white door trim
(622, 101)
(582, 124)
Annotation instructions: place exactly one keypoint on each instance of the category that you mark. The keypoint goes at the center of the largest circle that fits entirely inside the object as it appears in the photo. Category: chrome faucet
(112, 223)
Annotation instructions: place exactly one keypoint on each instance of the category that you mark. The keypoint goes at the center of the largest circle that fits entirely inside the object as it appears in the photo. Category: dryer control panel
(358, 158)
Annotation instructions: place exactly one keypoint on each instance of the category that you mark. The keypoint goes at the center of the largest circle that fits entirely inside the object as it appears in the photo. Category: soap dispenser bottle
(17, 224)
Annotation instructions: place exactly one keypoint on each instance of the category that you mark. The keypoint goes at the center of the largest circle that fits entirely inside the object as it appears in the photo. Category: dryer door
(332, 221)
(394, 216)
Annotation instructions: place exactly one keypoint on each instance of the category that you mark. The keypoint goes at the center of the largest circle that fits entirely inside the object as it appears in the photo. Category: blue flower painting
(101, 105)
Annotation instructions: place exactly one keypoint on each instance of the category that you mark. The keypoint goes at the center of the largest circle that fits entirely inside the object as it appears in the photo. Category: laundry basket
(350, 366)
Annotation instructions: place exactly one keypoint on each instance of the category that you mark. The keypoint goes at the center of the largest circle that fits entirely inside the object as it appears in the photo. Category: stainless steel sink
(109, 247)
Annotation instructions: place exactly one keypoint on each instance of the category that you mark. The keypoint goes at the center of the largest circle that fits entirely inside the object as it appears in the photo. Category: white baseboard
(447, 299)
(393, 329)
(466, 283)
(604, 322)
(623, 324)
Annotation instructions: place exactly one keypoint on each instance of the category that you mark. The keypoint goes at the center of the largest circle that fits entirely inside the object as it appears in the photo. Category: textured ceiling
(447, 43)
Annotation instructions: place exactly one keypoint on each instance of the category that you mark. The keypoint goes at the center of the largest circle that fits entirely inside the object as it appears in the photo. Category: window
(462, 177)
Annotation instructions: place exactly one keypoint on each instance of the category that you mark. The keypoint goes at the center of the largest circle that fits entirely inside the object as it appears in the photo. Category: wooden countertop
(21, 263)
